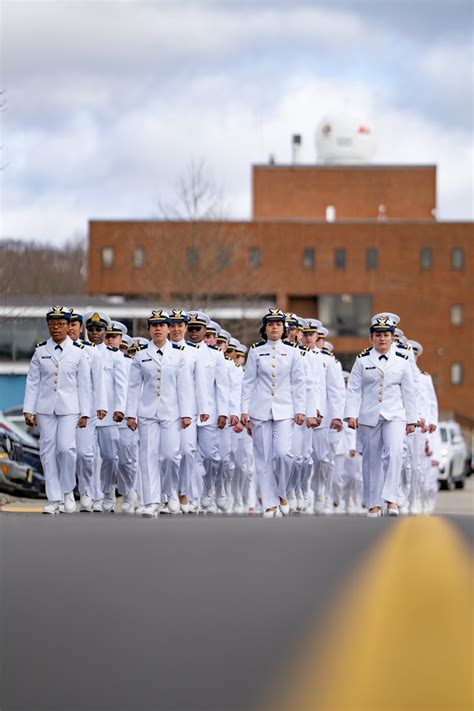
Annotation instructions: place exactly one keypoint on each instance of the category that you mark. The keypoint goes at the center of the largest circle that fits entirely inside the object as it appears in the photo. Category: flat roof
(346, 166)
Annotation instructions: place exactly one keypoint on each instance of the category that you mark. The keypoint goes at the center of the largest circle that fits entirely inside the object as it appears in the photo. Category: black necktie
(58, 346)
(159, 351)
(383, 357)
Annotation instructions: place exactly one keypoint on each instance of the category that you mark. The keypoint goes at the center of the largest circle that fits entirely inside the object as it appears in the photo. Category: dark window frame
(426, 258)
(340, 258)
(371, 258)
(457, 252)
(255, 257)
(309, 258)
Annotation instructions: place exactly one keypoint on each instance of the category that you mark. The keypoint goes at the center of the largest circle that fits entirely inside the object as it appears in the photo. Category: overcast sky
(109, 102)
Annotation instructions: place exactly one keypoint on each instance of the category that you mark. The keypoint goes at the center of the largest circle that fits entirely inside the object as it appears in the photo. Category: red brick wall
(304, 192)
(422, 298)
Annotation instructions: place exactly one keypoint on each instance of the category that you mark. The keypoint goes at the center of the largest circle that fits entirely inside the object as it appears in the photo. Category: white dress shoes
(69, 503)
(273, 514)
(150, 511)
(374, 514)
(86, 504)
(173, 503)
(108, 502)
(51, 508)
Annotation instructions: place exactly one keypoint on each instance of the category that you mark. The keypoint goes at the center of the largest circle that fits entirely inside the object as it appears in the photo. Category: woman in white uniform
(273, 400)
(381, 402)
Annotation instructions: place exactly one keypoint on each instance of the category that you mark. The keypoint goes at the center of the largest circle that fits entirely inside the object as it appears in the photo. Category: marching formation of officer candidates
(190, 421)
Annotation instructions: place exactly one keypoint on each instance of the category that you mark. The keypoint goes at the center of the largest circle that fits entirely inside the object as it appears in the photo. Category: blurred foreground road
(102, 613)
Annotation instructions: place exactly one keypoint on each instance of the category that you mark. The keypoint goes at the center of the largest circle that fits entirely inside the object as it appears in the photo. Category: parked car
(16, 475)
(452, 469)
(15, 415)
(29, 456)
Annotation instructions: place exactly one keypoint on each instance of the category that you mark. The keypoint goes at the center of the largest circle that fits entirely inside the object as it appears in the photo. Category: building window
(457, 258)
(223, 258)
(426, 258)
(345, 314)
(108, 255)
(138, 257)
(255, 257)
(371, 258)
(456, 373)
(308, 258)
(339, 258)
(457, 314)
(192, 257)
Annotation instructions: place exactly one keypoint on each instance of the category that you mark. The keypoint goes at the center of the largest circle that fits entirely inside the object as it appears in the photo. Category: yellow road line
(401, 636)
(9, 508)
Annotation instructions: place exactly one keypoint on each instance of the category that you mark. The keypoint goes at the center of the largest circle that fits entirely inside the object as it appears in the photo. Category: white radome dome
(345, 138)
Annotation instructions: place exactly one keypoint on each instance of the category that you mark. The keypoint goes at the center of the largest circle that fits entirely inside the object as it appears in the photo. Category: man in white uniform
(58, 400)
(218, 392)
(86, 437)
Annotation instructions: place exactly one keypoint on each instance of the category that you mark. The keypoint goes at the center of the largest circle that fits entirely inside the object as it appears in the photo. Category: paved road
(181, 614)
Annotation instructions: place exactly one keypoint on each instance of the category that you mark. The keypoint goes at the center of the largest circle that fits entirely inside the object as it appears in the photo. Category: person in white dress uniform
(273, 401)
(225, 469)
(58, 400)
(381, 402)
(159, 404)
(331, 410)
(86, 437)
(200, 409)
(218, 393)
(302, 460)
(116, 378)
(428, 485)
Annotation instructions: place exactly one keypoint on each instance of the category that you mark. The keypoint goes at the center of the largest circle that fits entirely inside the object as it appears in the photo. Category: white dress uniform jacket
(160, 387)
(381, 388)
(58, 380)
(97, 372)
(199, 398)
(116, 379)
(217, 380)
(274, 385)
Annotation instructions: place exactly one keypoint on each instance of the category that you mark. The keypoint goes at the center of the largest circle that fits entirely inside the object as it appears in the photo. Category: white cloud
(109, 102)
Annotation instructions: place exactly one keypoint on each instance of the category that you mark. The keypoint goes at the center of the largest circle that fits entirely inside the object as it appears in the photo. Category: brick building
(335, 242)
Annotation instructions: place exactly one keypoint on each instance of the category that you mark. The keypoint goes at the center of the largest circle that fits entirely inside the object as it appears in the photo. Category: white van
(452, 468)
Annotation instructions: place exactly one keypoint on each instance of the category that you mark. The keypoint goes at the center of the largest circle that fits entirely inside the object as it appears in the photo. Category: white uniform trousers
(322, 461)
(108, 438)
(415, 445)
(86, 443)
(352, 482)
(208, 448)
(382, 453)
(307, 468)
(272, 448)
(159, 458)
(294, 482)
(187, 465)
(244, 467)
(336, 478)
(58, 453)
(223, 469)
(128, 460)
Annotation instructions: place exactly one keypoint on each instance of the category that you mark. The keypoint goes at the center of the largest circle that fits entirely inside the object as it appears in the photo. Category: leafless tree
(214, 270)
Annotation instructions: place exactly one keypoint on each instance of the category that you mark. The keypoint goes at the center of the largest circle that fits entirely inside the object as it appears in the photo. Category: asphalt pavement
(108, 612)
